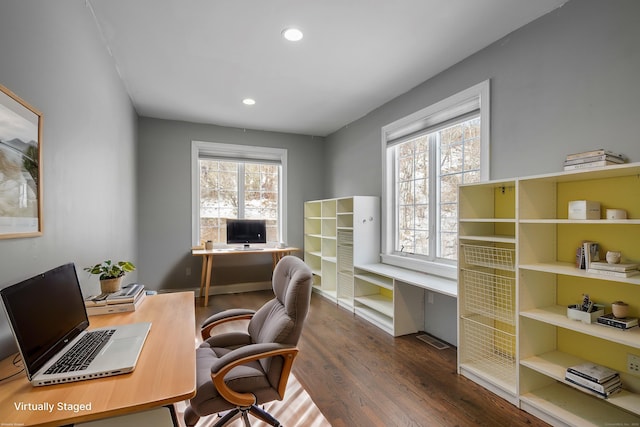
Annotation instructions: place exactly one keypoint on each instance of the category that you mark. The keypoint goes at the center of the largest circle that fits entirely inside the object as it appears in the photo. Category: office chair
(237, 371)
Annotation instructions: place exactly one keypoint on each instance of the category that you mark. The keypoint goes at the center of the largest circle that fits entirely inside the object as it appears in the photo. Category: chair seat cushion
(244, 378)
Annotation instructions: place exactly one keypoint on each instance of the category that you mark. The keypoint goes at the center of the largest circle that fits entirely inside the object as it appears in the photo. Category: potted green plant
(111, 274)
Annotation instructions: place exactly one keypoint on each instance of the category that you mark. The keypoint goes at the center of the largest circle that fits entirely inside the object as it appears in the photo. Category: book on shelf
(121, 307)
(604, 388)
(595, 152)
(593, 372)
(611, 273)
(591, 253)
(596, 164)
(580, 258)
(601, 265)
(617, 322)
(594, 392)
(605, 157)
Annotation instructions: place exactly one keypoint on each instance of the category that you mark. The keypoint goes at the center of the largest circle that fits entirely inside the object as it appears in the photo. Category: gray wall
(53, 58)
(164, 187)
(564, 83)
(567, 82)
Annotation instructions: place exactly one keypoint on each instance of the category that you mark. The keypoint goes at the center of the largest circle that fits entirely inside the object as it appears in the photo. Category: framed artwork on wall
(20, 167)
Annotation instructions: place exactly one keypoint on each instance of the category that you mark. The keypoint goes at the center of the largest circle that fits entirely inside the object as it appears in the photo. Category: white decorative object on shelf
(620, 309)
(616, 214)
(613, 257)
(585, 317)
(584, 209)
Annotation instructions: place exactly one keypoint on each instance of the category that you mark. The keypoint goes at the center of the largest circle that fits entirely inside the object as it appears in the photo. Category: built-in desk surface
(165, 372)
(426, 281)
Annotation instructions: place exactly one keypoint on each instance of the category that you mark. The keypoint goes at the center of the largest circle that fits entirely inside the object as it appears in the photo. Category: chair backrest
(281, 319)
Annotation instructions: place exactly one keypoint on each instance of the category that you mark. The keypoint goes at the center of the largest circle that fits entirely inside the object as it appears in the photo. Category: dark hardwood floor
(359, 375)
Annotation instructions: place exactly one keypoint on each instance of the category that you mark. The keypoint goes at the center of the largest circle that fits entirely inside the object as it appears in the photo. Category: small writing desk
(207, 262)
(165, 372)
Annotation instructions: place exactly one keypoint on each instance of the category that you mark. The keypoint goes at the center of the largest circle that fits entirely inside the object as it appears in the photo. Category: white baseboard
(233, 288)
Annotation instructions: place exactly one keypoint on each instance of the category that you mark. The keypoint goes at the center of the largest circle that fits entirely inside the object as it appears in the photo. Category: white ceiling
(195, 60)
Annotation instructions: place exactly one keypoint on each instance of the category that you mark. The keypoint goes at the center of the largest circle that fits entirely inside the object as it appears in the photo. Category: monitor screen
(246, 231)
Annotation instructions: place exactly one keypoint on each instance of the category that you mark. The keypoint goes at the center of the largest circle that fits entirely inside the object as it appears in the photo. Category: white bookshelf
(533, 222)
(487, 324)
(339, 232)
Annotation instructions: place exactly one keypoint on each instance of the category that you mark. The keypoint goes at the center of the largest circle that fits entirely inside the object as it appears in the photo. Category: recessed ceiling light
(292, 34)
(248, 101)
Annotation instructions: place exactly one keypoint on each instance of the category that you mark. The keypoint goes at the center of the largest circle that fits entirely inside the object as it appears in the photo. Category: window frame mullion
(241, 187)
(434, 191)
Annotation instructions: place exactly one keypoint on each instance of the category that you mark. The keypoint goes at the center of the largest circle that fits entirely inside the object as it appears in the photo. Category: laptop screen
(45, 312)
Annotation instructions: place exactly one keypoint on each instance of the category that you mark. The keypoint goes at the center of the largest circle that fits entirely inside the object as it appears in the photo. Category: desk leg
(203, 275)
(208, 279)
(277, 256)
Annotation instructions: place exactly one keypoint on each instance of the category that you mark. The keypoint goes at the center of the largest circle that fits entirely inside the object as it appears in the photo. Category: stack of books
(623, 323)
(593, 159)
(126, 299)
(613, 270)
(594, 379)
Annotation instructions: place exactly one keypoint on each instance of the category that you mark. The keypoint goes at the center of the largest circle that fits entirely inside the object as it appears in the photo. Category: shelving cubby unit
(393, 298)
(346, 231)
(533, 223)
(487, 326)
(374, 299)
(549, 281)
(344, 226)
(313, 239)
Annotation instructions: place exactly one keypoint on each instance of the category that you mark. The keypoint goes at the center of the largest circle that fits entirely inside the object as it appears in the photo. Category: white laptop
(48, 318)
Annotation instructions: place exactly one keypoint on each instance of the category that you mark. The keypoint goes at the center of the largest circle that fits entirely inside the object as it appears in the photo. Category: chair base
(254, 410)
(191, 419)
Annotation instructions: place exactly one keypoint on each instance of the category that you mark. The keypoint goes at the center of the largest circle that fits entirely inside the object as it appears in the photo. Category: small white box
(584, 209)
(616, 214)
(583, 316)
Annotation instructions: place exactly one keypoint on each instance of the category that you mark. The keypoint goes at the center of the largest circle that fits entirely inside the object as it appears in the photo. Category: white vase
(613, 257)
(109, 286)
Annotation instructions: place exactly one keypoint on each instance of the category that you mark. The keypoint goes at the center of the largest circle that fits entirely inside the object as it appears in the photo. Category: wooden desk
(207, 262)
(165, 372)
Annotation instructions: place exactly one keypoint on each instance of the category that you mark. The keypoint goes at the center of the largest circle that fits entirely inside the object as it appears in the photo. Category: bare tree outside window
(459, 147)
(426, 200)
(426, 156)
(231, 189)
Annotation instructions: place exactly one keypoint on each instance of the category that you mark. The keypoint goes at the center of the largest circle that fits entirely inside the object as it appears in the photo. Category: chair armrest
(245, 355)
(228, 340)
(230, 315)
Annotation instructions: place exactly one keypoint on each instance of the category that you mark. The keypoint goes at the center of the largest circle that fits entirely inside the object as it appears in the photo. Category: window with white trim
(234, 181)
(425, 157)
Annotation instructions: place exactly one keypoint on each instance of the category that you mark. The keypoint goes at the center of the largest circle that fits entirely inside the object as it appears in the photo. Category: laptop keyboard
(82, 353)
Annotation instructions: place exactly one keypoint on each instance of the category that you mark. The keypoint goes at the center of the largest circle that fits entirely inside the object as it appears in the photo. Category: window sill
(443, 270)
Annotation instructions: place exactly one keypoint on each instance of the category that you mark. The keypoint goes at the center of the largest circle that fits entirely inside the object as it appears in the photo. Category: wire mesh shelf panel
(489, 294)
(345, 259)
(489, 256)
(345, 286)
(345, 238)
(490, 347)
